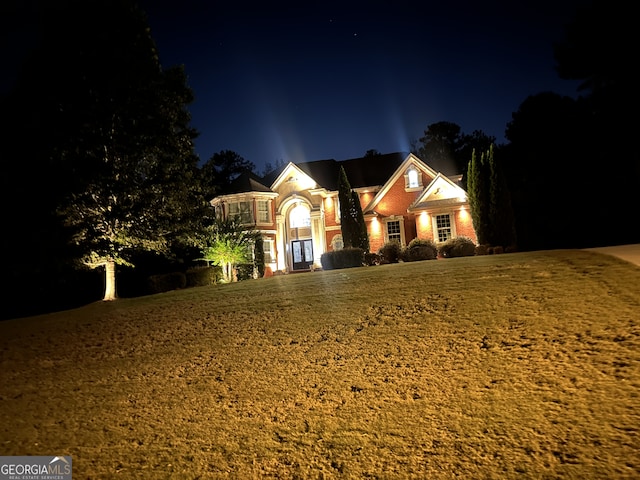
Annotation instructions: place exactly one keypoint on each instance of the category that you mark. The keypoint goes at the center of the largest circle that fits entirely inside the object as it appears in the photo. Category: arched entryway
(300, 236)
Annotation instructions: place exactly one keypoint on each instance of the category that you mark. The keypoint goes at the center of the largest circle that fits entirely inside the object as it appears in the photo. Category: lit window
(267, 246)
(300, 217)
(413, 178)
(443, 227)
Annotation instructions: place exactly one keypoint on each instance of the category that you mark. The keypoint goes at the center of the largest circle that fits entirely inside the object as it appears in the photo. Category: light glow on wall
(375, 227)
(464, 215)
(304, 183)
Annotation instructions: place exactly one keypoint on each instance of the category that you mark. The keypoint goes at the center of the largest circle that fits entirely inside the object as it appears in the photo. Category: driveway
(630, 253)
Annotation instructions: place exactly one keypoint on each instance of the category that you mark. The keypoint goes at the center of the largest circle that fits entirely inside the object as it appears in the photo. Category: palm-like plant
(228, 245)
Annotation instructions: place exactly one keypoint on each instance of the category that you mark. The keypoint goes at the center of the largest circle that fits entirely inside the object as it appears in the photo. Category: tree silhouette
(447, 149)
(221, 169)
(118, 134)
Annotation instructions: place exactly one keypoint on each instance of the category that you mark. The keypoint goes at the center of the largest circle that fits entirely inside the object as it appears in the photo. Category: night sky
(283, 81)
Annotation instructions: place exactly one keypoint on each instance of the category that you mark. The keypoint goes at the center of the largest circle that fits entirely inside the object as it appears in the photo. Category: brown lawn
(511, 366)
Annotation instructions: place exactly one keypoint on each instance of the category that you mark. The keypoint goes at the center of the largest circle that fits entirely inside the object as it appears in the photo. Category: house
(296, 208)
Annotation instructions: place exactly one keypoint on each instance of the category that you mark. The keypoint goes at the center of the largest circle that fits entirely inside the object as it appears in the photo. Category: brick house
(296, 208)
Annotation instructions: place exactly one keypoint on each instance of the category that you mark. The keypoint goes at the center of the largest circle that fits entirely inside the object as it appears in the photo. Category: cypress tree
(478, 193)
(489, 200)
(363, 236)
(354, 230)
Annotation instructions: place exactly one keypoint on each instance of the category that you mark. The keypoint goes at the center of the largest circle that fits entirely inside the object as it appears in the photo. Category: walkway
(630, 253)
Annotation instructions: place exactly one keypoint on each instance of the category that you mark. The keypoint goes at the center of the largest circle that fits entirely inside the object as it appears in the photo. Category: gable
(293, 178)
(440, 192)
(397, 179)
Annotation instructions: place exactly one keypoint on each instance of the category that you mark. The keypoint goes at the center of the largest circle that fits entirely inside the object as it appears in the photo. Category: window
(241, 210)
(337, 242)
(267, 246)
(300, 217)
(393, 231)
(412, 179)
(443, 227)
(263, 211)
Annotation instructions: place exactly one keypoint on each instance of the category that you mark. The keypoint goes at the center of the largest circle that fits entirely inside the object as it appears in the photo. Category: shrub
(390, 252)
(458, 247)
(203, 276)
(345, 258)
(326, 260)
(245, 271)
(371, 259)
(166, 282)
(482, 249)
(420, 249)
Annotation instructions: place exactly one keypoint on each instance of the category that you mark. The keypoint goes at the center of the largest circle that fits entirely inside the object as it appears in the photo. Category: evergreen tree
(352, 225)
(362, 240)
(490, 201)
(478, 194)
(221, 169)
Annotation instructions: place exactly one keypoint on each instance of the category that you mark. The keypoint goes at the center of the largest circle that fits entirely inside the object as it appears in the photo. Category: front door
(302, 251)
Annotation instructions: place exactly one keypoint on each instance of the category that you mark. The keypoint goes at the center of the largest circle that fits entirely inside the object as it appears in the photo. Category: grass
(520, 365)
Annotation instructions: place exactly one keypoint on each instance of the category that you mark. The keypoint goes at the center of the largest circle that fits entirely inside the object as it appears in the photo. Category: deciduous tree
(122, 132)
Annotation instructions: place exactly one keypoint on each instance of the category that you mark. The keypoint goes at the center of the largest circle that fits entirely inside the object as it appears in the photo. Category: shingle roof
(362, 172)
(246, 182)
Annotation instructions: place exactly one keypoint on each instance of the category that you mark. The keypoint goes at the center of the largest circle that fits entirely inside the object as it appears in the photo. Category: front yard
(521, 365)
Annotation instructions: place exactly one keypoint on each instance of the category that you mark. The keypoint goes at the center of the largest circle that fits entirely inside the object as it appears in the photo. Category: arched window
(300, 217)
(413, 181)
(337, 243)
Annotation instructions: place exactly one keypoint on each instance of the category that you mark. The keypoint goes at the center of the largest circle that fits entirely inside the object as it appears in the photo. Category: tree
(478, 193)
(121, 130)
(362, 239)
(478, 141)
(221, 169)
(270, 168)
(372, 153)
(447, 149)
(229, 244)
(489, 201)
(599, 51)
(352, 225)
(598, 48)
(547, 162)
(500, 209)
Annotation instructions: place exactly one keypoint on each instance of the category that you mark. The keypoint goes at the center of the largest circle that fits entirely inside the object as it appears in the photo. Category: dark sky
(315, 80)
